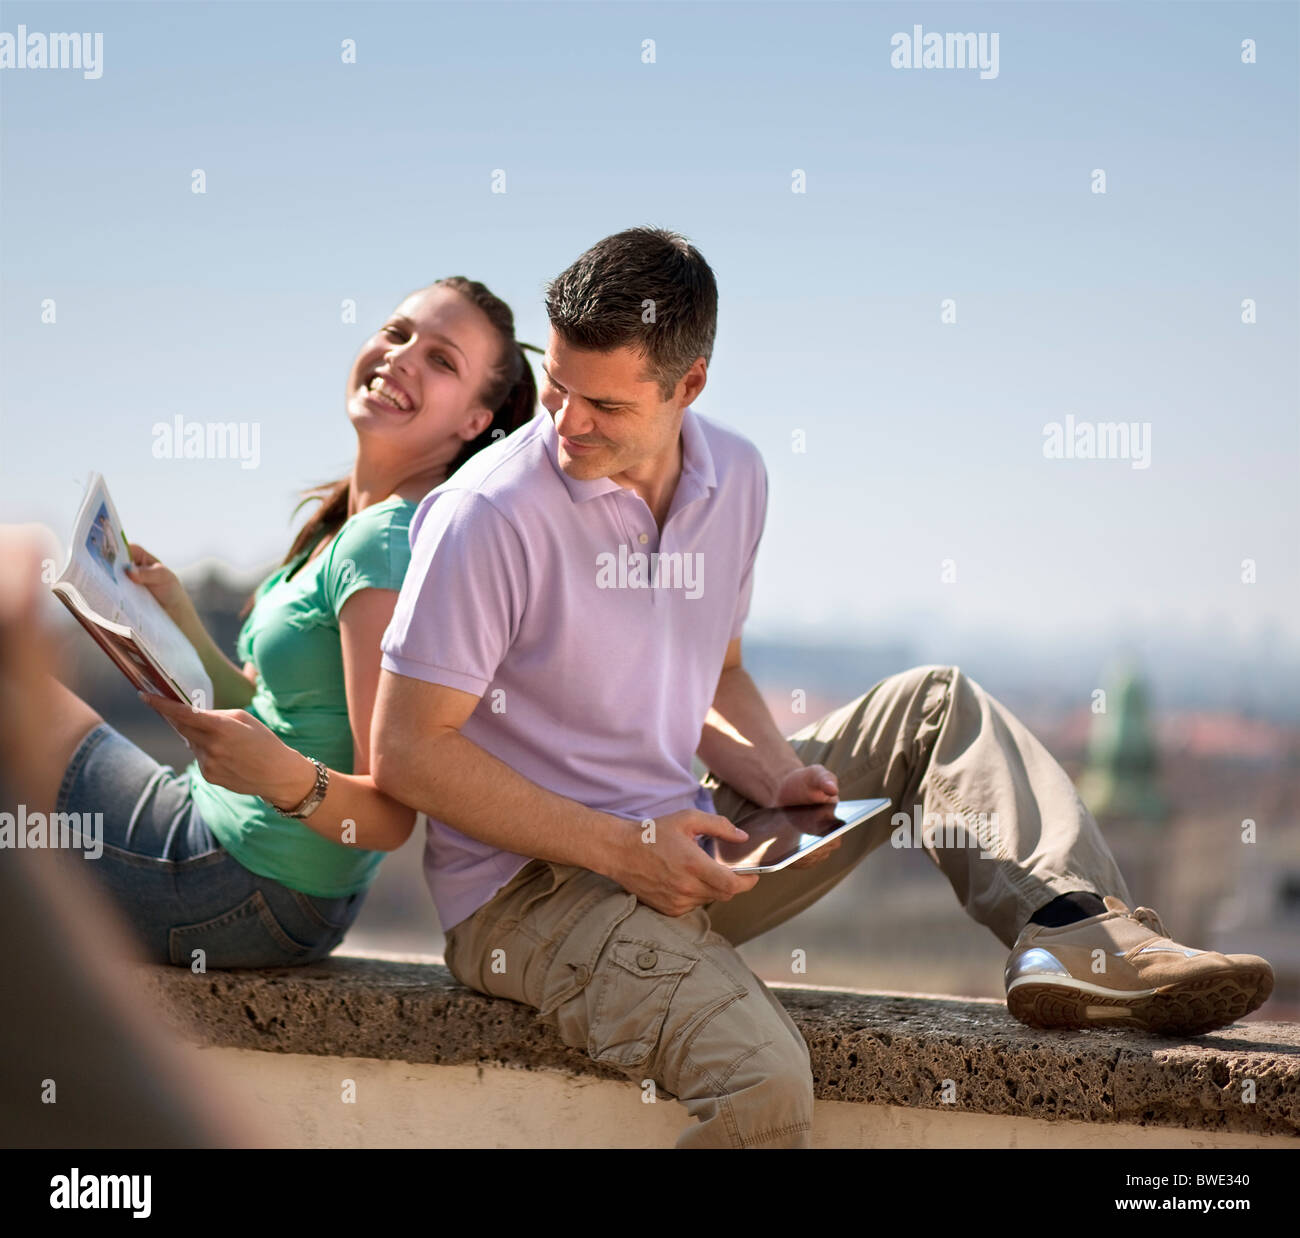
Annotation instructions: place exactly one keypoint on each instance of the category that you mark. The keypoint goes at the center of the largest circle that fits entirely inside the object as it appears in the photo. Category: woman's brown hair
(511, 393)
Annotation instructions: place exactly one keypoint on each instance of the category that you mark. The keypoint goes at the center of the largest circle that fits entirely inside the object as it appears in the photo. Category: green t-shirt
(292, 638)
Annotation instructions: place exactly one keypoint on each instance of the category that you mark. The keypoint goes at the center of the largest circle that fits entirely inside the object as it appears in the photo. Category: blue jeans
(171, 878)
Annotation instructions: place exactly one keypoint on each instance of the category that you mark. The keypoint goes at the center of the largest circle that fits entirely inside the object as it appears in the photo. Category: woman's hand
(163, 583)
(234, 750)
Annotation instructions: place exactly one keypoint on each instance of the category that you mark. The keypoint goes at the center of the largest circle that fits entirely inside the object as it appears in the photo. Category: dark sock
(1068, 908)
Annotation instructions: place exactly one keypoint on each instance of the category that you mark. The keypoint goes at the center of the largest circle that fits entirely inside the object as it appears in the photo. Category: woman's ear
(479, 421)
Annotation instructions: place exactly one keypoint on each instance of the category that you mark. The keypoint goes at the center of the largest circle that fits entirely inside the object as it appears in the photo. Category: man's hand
(667, 869)
(826, 822)
(809, 784)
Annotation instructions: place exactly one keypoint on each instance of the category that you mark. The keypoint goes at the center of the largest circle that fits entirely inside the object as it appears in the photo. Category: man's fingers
(709, 883)
(740, 883)
(820, 781)
(813, 784)
(826, 780)
(721, 881)
(718, 827)
(686, 876)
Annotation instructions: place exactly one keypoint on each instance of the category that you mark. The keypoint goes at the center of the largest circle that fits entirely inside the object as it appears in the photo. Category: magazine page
(97, 559)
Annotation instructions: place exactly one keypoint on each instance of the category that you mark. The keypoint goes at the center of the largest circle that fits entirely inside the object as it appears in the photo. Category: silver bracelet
(303, 810)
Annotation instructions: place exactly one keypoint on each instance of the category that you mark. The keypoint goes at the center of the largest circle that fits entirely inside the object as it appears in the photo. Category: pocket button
(646, 960)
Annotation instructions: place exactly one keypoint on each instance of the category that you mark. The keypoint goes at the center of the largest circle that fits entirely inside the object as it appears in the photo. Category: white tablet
(780, 836)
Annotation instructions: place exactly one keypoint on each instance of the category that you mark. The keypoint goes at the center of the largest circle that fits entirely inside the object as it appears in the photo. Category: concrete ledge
(867, 1048)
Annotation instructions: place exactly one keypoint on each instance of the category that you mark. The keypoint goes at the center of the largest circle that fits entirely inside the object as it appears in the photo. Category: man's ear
(692, 383)
(478, 422)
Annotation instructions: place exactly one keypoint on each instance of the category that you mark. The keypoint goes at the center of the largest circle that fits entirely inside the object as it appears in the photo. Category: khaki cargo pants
(670, 999)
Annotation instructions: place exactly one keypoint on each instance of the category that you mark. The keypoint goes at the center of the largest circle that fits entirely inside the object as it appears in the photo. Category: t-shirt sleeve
(371, 551)
(463, 599)
(747, 577)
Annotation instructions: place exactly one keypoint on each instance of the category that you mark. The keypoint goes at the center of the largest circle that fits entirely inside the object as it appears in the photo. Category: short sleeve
(747, 577)
(372, 551)
(463, 599)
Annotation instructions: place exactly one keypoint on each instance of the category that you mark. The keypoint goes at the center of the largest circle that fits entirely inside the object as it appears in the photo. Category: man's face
(611, 422)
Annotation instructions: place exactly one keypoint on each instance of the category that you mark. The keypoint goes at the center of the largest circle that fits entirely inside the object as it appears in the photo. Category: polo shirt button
(646, 960)
(643, 538)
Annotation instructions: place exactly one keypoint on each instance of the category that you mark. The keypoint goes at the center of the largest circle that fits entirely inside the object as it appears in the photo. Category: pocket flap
(574, 963)
(647, 958)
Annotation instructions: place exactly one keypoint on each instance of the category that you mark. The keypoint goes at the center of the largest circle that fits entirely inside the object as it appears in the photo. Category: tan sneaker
(1119, 969)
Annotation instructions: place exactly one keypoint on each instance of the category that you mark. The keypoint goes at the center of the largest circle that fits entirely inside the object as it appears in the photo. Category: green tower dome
(1120, 778)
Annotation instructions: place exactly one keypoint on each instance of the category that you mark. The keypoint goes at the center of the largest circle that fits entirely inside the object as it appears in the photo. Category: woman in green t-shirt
(260, 852)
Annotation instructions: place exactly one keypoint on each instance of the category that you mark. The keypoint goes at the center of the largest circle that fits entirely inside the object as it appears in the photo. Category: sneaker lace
(1145, 915)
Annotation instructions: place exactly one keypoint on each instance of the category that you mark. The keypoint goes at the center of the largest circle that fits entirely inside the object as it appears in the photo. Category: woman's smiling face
(419, 377)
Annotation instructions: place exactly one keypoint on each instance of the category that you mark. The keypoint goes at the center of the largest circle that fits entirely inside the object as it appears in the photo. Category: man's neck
(656, 482)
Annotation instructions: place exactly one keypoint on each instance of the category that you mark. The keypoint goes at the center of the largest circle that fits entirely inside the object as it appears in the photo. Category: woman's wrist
(295, 784)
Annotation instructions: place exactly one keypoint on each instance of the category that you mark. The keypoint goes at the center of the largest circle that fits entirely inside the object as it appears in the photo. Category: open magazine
(124, 617)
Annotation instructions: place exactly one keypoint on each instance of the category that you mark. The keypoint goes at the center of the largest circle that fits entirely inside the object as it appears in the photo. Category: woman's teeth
(390, 395)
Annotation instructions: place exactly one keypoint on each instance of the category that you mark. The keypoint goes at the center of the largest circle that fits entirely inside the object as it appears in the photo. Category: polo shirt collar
(698, 474)
(697, 459)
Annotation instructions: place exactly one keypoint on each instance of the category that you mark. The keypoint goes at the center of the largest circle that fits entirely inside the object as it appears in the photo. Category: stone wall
(937, 1063)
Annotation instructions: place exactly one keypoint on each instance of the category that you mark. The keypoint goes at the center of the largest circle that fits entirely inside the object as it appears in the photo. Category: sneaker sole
(1187, 1009)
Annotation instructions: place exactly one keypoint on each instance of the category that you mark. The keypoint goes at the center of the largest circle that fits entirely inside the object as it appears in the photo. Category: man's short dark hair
(647, 288)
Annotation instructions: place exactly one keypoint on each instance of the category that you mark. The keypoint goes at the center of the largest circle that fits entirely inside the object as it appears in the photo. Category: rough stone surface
(873, 1048)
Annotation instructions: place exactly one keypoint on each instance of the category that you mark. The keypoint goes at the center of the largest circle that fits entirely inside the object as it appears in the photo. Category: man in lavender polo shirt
(568, 637)
(600, 638)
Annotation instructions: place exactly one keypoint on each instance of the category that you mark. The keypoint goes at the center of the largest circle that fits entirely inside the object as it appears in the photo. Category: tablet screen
(779, 836)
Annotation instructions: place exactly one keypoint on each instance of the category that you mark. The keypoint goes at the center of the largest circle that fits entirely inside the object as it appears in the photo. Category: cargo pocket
(578, 944)
(636, 987)
(248, 935)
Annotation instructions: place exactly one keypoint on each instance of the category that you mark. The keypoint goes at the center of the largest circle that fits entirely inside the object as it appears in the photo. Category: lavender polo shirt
(594, 643)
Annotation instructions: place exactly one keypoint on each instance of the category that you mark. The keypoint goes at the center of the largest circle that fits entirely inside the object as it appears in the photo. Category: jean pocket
(637, 986)
(331, 914)
(247, 935)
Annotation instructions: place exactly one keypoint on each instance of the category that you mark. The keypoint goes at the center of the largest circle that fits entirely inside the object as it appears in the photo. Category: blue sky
(924, 440)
